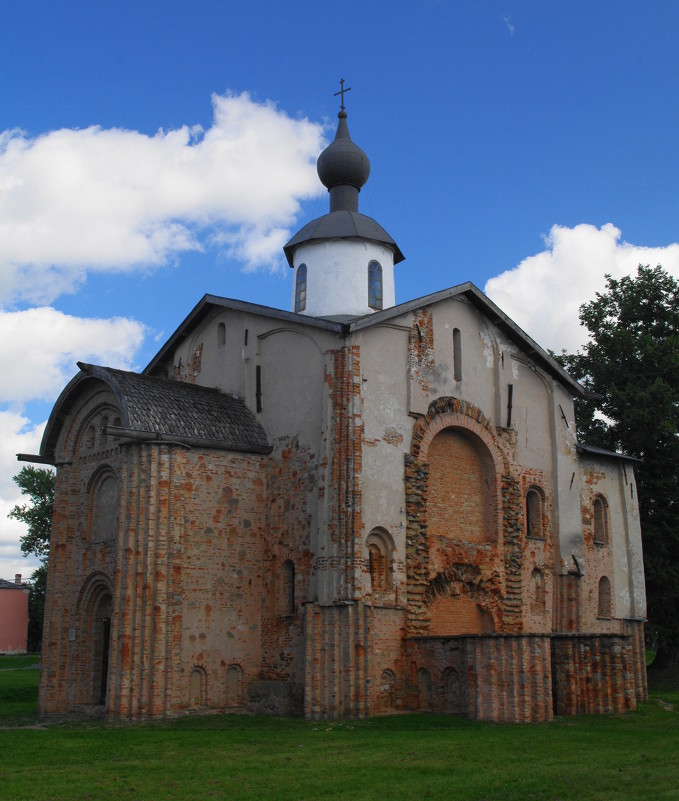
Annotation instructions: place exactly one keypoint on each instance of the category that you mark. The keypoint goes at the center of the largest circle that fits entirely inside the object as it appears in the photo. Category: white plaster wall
(387, 435)
(477, 356)
(221, 366)
(567, 508)
(293, 386)
(337, 276)
(615, 481)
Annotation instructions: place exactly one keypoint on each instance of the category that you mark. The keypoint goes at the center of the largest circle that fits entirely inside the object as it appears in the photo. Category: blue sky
(152, 152)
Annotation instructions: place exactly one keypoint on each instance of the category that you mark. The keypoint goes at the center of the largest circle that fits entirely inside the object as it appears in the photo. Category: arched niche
(104, 505)
(380, 547)
(234, 686)
(452, 691)
(197, 688)
(462, 503)
(94, 614)
(605, 610)
(600, 515)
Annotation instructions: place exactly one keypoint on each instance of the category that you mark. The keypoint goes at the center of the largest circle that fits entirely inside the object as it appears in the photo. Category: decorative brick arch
(454, 413)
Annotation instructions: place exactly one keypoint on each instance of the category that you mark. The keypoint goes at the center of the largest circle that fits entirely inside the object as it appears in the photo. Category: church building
(347, 509)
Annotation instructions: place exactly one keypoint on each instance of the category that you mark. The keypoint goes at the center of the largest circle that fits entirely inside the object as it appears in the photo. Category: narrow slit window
(221, 335)
(375, 285)
(605, 610)
(534, 514)
(258, 388)
(600, 521)
(300, 288)
(288, 598)
(457, 354)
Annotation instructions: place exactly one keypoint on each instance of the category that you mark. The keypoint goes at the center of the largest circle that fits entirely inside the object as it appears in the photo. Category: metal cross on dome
(341, 92)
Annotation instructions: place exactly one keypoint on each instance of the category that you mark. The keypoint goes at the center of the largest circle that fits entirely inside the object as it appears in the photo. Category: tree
(631, 368)
(38, 484)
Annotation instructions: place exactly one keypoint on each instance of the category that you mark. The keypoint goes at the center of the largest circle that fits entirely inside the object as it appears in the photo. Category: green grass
(18, 688)
(20, 661)
(408, 757)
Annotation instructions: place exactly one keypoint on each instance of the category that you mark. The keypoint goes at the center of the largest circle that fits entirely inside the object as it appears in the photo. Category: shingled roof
(157, 409)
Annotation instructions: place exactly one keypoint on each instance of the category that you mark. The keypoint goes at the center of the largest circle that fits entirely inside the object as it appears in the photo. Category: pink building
(13, 616)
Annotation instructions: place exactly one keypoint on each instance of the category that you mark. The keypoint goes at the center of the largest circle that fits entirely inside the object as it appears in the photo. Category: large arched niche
(463, 465)
(454, 475)
(462, 503)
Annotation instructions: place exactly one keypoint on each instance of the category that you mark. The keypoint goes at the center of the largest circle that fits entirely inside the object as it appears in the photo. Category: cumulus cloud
(73, 201)
(50, 344)
(39, 348)
(544, 292)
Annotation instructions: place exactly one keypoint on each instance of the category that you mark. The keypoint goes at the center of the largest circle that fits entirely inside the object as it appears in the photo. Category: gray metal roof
(342, 224)
(593, 450)
(156, 408)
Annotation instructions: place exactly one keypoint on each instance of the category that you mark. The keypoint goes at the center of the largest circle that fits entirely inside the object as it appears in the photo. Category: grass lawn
(633, 756)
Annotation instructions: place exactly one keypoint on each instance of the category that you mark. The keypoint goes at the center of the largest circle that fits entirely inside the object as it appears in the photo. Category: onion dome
(343, 168)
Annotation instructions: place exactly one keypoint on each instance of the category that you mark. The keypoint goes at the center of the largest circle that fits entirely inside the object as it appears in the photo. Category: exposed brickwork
(512, 525)
(345, 517)
(593, 674)
(452, 484)
(421, 348)
(505, 678)
(188, 372)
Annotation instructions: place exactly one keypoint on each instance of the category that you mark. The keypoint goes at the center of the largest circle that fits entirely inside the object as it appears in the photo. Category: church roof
(156, 409)
(342, 224)
(346, 325)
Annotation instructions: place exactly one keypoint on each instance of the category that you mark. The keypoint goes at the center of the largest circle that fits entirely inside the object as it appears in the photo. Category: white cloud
(39, 348)
(73, 201)
(544, 292)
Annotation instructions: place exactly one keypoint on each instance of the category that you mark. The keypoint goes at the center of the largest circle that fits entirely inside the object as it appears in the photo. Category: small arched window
(457, 354)
(379, 559)
(198, 688)
(600, 520)
(300, 288)
(234, 686)
(221, 335)
(534, 514)
(604, 598)
(375, 300)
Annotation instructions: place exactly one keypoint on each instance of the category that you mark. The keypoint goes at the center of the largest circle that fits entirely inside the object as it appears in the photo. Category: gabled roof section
(154, 409)
(486, 306)
(348, 325)
(208, 303)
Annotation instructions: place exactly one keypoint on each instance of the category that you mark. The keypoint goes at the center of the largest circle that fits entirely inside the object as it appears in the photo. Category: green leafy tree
(38, 484)
(631, 368)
